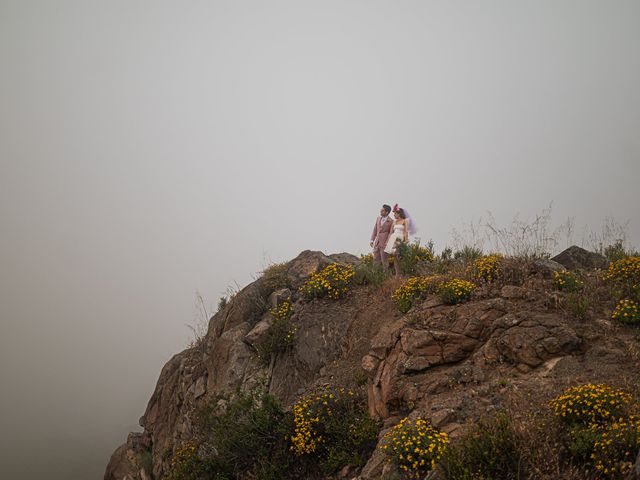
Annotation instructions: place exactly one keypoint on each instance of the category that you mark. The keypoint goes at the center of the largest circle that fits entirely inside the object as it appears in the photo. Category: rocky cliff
(451, 363)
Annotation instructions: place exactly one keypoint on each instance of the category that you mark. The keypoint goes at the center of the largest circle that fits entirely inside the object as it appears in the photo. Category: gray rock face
(576, 258)
(126, 460)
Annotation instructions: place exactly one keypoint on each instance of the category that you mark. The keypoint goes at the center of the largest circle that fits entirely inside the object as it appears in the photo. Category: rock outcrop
(445, 362)
(576, 258)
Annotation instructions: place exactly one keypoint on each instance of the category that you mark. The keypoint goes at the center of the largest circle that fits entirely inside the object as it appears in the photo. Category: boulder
(279, 296)
(545, 267)
(125, 461)
(513, 292)
(533, 339)
(576, 258)
(345, 258)
(259, 330)
(306, 264)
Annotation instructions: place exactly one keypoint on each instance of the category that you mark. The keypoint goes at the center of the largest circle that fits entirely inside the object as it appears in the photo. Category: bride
(402, 227)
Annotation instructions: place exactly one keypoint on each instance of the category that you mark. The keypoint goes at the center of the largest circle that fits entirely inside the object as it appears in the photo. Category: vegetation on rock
(415, 446)
(333, 281)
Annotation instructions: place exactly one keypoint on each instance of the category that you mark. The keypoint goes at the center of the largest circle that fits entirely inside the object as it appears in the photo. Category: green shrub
(627, 311)
(600, 433)
(567, 281)
(415, 446)
(415, 289)
(332, 429)
(238, 436)
(488, 267)
(145, 460)
(222, 302)
(617, 251)
(488, 450)
(456, 291)
(370, 273)
(468, 254)
(332, 281)
(186, 464)
(275, 277)
(615, 447)
(578, 305)
(447, 253)
(625, 270)
(589, 403)
(412, 253)
(281, 334)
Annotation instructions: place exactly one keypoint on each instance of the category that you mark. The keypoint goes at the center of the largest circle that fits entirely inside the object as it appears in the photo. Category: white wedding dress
(398, 234)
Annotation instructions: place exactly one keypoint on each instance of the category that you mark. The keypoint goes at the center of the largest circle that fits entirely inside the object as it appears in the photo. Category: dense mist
(152, 150)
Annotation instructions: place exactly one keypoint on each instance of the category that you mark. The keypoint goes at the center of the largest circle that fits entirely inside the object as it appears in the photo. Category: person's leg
(396, 263)
(384, 258)
(376, 254)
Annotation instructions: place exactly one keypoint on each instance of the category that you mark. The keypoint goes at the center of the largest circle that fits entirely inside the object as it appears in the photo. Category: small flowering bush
(600, 430)
(280, 335)
(627, 311)
(487, 450)
(333, 426)
(366, 259)
(275, 277)
(456, 291)
(414, 289)
(368, 272)
(412, 253)
(567, 281)
(487, 268)
(333, 281)
(616, 447)
(186, 464)
(625, 270)
(415, 446)
(589, 404)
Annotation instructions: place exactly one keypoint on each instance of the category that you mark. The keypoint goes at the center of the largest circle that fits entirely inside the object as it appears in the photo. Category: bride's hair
(400, 212)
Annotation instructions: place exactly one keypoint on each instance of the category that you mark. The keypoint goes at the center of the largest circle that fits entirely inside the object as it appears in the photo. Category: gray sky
(152, 149)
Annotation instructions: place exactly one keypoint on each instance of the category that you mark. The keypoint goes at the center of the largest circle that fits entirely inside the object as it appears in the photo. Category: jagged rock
(279, 296)
(345, 258)
(576, 258)
(259, 330)
(246, 306)
(322, 329)
(443, 359)
(513, 292)
(545, 267)
(125, 461)
(305, 264)
(370, 364)
(200, 387)
(533, 339)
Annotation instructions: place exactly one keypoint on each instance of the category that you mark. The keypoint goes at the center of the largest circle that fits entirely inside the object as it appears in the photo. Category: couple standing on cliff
(387, 234)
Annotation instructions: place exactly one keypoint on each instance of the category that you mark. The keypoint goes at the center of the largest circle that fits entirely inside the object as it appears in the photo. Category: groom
(381, 231)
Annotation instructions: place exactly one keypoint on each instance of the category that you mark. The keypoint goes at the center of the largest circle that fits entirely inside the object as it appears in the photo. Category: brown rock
(535, 339)
(306, 264)
(370, 364)
(257, 332)
(513, 292)
(279, 296)
(576, 258)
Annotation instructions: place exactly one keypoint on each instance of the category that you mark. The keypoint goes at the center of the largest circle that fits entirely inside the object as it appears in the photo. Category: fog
(150, 150)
